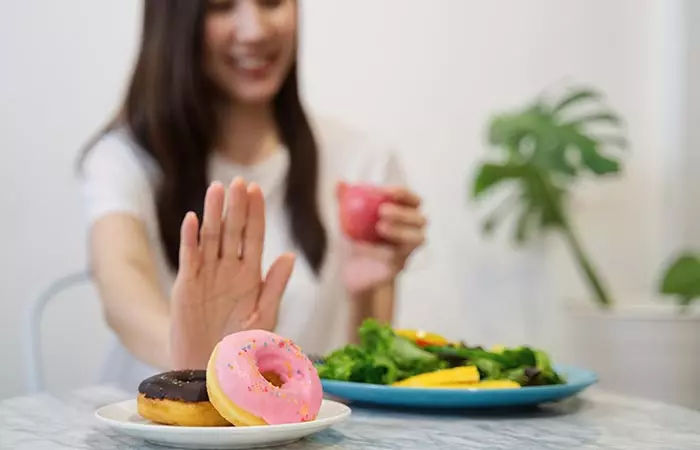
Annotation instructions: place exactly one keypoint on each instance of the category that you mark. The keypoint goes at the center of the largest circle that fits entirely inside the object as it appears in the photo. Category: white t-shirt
(119, 177)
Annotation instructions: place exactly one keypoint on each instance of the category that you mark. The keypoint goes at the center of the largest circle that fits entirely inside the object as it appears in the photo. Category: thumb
(340, 189)
(275, 284)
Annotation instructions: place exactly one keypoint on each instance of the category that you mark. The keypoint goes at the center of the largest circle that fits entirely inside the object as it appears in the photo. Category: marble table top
(595, 420)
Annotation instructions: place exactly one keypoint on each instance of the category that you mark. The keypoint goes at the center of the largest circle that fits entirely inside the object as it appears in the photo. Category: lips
(253, 63)
(252, 66)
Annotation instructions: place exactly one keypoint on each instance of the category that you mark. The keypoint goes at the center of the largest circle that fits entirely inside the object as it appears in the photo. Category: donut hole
(273, 378)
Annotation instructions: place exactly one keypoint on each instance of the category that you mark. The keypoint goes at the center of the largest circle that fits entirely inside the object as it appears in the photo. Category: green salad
(385, 357)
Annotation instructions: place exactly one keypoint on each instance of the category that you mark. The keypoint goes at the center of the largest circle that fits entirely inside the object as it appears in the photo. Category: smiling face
(250, 46)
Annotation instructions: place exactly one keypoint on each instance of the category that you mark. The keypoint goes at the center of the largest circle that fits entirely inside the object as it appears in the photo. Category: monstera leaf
(682, 279)
(540, 202)
(544, 148)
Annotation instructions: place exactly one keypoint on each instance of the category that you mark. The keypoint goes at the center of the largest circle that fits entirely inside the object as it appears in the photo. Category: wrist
(188, 345)
(369, 291)
(188, 356)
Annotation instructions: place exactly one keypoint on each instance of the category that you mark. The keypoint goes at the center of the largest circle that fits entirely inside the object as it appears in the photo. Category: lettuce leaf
(524, 365)
(381, 358)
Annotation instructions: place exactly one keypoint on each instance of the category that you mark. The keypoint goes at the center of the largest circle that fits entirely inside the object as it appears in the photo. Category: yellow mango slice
(422, 338)
(463, 374)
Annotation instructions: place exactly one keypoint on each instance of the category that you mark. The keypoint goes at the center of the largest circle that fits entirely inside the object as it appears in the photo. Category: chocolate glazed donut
(178, 398)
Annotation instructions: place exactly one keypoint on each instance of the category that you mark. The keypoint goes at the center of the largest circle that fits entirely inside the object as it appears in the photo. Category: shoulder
(116, 155)
(355, 155)
(116, 175)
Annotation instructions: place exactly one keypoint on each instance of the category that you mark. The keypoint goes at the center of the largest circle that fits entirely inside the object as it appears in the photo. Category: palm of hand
(223, 297)
(367, 266)
(219, 288)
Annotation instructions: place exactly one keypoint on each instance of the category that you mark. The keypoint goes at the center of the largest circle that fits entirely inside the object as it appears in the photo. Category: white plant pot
(648, 351)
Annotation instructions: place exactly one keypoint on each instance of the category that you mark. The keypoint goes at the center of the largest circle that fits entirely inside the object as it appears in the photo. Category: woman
(212, 116)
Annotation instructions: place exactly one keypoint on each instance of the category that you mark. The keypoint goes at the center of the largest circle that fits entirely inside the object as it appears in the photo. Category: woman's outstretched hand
(219, 287)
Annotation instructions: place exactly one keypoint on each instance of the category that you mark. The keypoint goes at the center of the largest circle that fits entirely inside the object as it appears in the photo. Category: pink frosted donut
(259, 378)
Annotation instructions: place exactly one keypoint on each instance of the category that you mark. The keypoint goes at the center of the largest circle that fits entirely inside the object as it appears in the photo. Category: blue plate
(577, 380)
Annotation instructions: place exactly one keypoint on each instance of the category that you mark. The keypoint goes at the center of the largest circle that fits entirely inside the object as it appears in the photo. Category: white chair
(34, 355)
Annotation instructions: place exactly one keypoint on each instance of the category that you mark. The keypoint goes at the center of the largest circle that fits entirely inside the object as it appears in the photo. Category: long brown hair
(168, 111)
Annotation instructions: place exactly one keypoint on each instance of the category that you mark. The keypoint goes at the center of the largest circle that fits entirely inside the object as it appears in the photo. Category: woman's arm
(382, 302)
(125, 272)
(377, 303)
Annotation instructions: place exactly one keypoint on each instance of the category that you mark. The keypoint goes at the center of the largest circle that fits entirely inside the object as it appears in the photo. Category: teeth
(252, 63)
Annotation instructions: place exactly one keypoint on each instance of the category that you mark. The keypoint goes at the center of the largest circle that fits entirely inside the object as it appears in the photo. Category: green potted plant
(539, 152)
(681, 280)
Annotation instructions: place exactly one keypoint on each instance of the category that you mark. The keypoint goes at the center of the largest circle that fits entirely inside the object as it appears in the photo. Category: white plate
(124, 418)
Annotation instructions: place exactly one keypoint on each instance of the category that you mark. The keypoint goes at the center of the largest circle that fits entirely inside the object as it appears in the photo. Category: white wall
(61, 77)
(690, 104)
(424, 75)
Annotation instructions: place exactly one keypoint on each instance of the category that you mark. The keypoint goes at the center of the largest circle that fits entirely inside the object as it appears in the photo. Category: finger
(210, 240)
(392, 212)
(234, 223)
(189, 250)
(400, 194)
(400, 234)
(251, 321)
(254, 232)
(275, 285)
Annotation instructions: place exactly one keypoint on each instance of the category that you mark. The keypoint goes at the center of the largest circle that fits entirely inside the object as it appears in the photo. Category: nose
(249, 22)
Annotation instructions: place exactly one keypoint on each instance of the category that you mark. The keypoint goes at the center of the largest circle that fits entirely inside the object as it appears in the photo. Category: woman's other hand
(402, 226)
(219, 287)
